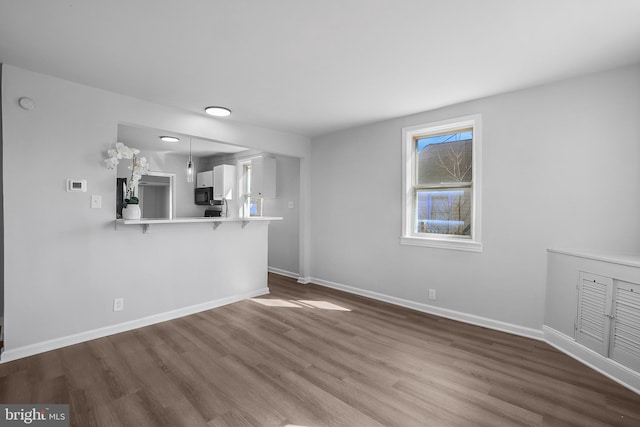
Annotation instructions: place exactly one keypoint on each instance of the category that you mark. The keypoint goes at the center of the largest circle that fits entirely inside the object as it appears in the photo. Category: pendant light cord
(190, 164)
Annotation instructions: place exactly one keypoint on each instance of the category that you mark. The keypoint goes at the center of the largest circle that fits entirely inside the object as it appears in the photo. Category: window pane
(444, 211)
(444, 159)
(255, 206)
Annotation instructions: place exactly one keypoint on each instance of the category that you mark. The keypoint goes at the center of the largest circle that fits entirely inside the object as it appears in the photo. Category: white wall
(284, 235)
(560, 170)
(64, 262)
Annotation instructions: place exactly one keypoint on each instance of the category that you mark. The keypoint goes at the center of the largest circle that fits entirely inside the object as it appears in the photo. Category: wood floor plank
(306, 355)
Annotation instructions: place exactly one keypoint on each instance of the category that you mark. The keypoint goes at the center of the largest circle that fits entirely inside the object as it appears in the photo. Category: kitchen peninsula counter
(216, 221)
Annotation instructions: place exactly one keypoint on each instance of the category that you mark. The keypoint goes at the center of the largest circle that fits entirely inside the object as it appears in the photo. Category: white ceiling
(148, 139)
(313, 67)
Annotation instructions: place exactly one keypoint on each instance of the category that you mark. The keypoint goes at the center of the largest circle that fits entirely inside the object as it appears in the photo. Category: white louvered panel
(593, 324)
(594, 299)
(625, 340)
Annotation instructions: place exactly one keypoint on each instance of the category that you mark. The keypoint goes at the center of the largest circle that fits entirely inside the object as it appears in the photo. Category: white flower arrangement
(139, 166)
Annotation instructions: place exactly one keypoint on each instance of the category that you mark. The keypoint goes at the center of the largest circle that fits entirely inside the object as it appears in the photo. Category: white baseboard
(438, 311)
(304, 280)
(281, 272)
(607, 367)
(30, 350)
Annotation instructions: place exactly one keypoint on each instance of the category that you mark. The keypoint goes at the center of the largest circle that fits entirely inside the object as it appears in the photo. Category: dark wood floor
(311, 356)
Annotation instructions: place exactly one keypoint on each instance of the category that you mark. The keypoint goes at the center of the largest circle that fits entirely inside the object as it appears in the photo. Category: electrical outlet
(118, 304)
(432, 294)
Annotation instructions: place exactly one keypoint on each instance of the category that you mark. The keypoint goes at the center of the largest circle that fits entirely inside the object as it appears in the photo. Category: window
(252, 205)
(441, 184)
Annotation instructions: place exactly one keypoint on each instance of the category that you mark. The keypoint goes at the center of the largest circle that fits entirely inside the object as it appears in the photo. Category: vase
(131, 212)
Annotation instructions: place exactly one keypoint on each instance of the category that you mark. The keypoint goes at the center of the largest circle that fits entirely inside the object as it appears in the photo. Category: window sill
(451, 244)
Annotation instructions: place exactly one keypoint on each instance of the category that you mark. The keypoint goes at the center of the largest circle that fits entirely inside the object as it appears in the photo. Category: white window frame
(409, 235)
(243, 166)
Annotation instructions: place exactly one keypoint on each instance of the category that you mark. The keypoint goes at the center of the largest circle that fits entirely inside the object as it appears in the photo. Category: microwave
(204, 195)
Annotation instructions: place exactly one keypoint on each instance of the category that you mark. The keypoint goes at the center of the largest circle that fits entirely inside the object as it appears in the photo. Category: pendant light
(190, 165)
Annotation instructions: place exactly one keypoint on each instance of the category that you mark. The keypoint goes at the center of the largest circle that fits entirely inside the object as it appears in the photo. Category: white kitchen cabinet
(224, 177)
(204, 179)
(263, 178)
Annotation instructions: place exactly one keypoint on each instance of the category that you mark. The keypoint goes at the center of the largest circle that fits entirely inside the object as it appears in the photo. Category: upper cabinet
(204, 179)
(224, 177)
(263, 177)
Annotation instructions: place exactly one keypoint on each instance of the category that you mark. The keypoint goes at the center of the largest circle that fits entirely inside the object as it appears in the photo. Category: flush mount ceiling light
(218, 111)
(167, 138)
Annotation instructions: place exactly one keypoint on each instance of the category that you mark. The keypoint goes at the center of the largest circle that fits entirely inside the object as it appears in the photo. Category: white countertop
(196, 219)
(216, 221)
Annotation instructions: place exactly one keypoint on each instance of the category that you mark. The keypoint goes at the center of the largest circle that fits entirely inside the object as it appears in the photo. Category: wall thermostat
(77, 185)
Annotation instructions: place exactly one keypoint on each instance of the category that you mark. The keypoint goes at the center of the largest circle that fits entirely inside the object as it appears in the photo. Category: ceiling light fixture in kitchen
(167, 138)
(218, 111)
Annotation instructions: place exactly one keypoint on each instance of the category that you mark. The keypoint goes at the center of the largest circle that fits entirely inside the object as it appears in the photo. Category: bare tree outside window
(455, 162)
(444, 178)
